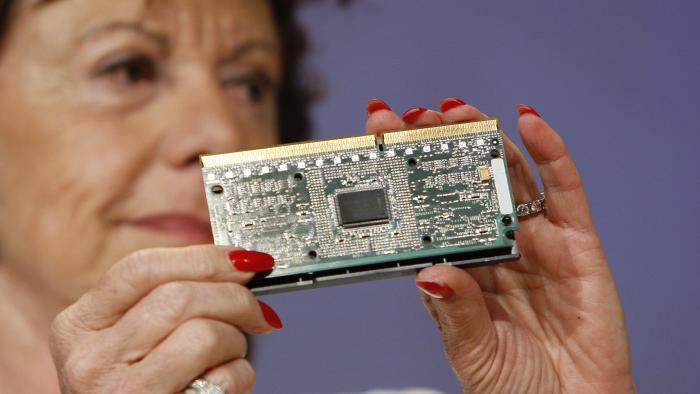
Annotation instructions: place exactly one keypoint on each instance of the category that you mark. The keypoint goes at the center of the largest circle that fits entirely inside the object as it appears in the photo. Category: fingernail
(434, 289)
(270, 315)
(375, 105)
(449, 103)
(412, 114)
(251, 261)
(526, 109)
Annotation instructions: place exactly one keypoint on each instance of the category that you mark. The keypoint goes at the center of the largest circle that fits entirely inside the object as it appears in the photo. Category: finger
(523, 181)
(136, 275)
(235, 377)
(456, 110)
(467, 330)
(173, 303)
(419, 116)
(430, 307)
(524, 185)
(381, 118)
(566, 200)
(193, 348)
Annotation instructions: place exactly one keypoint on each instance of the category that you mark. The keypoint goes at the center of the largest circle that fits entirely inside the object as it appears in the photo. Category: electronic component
(484, 174)
(362, 207)
(366, 207)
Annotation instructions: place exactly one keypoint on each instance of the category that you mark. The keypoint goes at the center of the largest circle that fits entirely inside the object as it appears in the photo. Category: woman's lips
(177, 225)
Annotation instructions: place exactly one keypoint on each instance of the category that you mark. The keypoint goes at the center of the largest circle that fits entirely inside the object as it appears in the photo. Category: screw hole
(507, 220)
(427, 239)
(298, 176)
(217, 189)
(412, 162)
(495, 153)
(312, 254)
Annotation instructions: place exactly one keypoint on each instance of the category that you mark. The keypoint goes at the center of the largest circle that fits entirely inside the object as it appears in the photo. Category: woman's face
(104, 108)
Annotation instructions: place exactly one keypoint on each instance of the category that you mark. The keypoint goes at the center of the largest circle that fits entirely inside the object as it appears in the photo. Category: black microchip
(363, 207)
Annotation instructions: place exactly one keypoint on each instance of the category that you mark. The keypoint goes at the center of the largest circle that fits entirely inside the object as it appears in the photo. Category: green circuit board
(366, 207)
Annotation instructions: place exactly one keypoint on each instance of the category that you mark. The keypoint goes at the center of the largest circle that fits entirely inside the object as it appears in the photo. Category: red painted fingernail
(270, 315)
(449, 103)
(435, 290)
(375, 105)
(412, 114)
(251, 261)
(526, 109)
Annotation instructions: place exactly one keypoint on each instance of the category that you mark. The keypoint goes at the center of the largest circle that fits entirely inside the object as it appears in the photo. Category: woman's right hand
(161, 318)
(550, 322)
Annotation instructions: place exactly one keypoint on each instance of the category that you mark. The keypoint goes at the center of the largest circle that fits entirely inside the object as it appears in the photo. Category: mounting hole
(510, 234)
(217, 189)
(495, 153)
(507, 220)
(298, 176)
(427, 239)
(494, 141)
(412, 162)
(312, 254)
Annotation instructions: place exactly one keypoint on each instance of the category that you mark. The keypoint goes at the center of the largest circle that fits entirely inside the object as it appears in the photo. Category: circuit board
(366, 207)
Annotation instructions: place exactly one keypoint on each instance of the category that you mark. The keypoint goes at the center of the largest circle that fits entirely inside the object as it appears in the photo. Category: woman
(105, 108)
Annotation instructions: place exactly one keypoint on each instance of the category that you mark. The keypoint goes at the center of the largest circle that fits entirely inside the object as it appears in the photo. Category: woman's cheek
(67, 205)
(101, 181)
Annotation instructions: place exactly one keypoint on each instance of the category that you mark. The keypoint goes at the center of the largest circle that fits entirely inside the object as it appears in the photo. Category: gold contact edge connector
(289, 150)
(444, 131)
(349, 143)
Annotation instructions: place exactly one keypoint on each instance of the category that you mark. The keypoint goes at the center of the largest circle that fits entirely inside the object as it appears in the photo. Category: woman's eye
(255, 91)
(132, 70)
(253, 88)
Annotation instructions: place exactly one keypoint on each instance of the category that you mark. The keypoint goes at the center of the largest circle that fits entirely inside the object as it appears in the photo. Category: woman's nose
(200, 122)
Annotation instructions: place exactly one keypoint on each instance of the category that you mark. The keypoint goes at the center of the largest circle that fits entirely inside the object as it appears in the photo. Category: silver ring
(201, 386)
(532, 207)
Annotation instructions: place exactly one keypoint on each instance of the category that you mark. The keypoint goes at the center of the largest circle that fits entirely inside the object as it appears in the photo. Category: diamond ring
(532, 207)
(201, 386)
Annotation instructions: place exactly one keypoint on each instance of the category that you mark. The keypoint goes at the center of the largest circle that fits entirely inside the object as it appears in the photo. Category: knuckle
(203, 335)
(59, 332)
(244, 297)
(248, 374)
(60, 325)
(64, 329)
(133, 269)
(138, 266)
(173, 299)
(241, 342)
(142, 255)
(250, 306)
(81, 373)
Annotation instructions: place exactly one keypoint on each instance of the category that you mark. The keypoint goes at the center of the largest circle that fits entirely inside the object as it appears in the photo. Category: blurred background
(618, 79)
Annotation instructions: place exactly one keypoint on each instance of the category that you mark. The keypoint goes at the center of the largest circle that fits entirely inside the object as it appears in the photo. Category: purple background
(618, 79)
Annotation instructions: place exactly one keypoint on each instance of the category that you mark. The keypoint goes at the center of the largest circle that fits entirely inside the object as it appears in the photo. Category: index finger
(135, 276)
(381, 118)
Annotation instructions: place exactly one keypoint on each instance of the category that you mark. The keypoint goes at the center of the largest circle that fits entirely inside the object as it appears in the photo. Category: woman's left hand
(551, 322)
(161, 318)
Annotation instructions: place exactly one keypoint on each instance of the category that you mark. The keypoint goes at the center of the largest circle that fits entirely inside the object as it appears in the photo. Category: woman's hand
(160, 319)
(549, 323)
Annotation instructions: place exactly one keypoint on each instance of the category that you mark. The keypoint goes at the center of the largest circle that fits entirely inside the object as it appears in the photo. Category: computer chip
(362, 208)
(366, 207)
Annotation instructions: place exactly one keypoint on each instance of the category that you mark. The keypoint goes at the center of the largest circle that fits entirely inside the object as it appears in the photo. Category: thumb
(456, 303)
